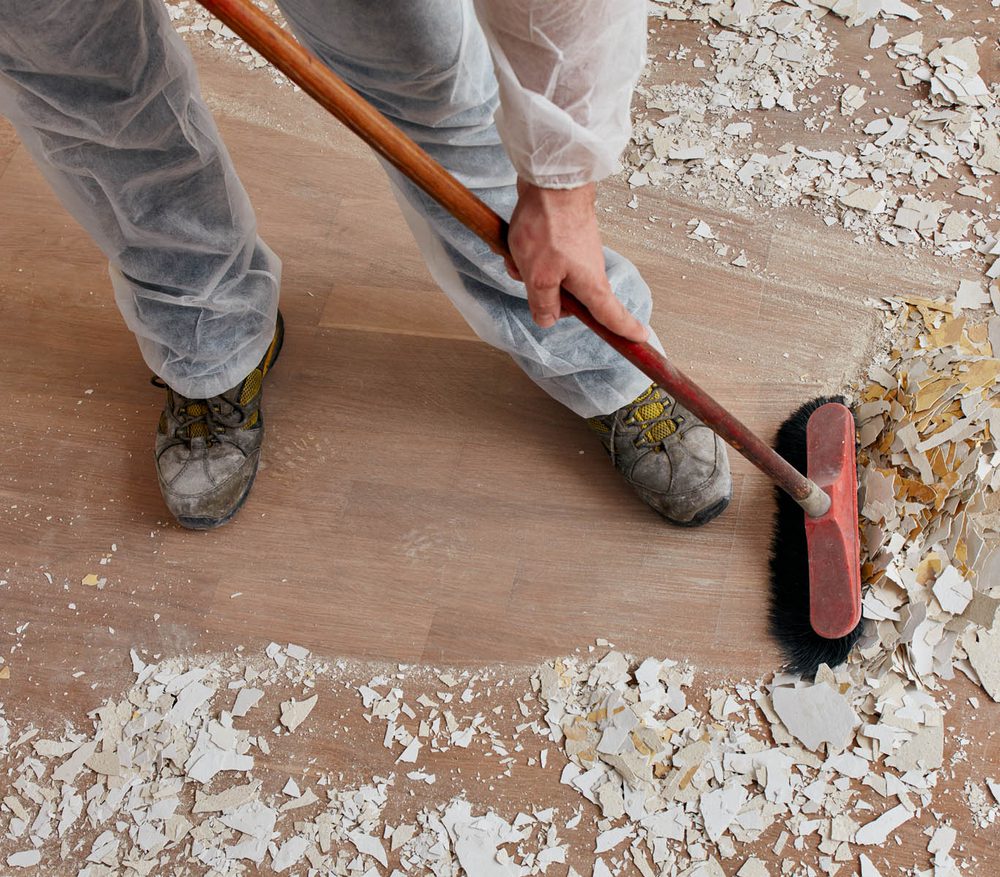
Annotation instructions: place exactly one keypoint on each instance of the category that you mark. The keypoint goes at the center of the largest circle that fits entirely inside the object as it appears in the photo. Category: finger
(512, 268)
(609, 311)
(543, 299)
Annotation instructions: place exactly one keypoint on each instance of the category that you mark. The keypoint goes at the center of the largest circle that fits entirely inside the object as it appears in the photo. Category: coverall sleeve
(566, 70)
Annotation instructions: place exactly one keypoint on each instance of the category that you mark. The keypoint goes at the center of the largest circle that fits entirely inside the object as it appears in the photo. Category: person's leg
(426, 66)
(104, 96)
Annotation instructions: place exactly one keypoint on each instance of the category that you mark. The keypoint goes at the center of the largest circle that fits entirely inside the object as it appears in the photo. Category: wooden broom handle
(342, 101)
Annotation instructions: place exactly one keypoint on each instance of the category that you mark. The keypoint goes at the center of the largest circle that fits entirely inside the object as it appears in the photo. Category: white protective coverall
(104, 95)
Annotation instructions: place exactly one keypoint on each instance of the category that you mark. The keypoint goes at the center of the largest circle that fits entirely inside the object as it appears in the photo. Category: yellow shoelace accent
(198, 430)
(647, 410)
(197, 409)
(194, 409)
(651, 413)
(659, 431)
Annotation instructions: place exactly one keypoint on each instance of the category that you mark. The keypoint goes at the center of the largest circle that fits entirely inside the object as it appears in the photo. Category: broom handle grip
(343, 102)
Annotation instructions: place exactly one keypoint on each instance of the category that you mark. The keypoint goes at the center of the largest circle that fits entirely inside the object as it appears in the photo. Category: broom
(816, 579)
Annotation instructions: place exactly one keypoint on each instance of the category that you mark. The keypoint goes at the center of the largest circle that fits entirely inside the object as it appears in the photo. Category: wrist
(574, 199)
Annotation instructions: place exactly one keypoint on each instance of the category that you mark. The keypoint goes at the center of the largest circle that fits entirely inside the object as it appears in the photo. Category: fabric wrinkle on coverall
(105, 97)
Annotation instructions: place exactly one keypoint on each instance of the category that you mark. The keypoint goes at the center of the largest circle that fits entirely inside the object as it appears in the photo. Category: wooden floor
(420, 500)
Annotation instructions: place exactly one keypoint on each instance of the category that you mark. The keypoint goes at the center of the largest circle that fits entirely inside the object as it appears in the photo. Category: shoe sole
(704, 517)
(270, 358)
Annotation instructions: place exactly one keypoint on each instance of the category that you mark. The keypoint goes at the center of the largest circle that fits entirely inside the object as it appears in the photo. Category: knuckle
(544, 280)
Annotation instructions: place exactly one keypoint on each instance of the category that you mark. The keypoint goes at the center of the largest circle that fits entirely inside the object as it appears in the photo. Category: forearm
(566, 70)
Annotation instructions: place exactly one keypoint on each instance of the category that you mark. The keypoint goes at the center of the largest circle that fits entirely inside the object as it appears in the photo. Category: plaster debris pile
(681, 788)
(127, 779)
(771, 56)
(764, 54)
(435, 727)
(929, 422)
(984, 803)
(169, 780)
(166, 782)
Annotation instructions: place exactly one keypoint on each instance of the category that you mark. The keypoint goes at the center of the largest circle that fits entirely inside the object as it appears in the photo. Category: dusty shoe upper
(675, 463)
(208, 450)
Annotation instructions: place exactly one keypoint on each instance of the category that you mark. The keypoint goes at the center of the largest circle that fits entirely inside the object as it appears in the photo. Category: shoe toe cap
(204, 490)
(689, 481)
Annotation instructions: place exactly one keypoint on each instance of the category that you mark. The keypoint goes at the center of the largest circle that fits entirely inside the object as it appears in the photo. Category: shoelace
(652, 412)
(204, 413)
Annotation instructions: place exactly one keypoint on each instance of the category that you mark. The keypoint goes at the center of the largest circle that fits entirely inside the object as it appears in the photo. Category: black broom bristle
(803, 648)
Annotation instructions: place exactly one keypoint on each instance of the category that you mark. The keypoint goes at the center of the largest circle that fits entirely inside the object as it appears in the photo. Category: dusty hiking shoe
(675, 463)
(207, 450)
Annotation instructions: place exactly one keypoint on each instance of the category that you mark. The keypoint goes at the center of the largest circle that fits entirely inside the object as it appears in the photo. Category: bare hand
(555, 242)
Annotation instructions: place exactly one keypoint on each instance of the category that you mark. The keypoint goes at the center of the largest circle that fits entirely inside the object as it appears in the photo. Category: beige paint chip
(289, 853)
(880, 37)
(852, 100)
(753, 867)
(868, 200)
(246, 699)
(971, 295)
(24, 859)
(295, 712)
(369, 846)
(867, 868)
(410, 753)
(816, 714)
(923, 751)
(229, 799)
(708, 868)
(984, 655)
(878, 830)
(953, 592)
(105, 763)
(720, 807)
